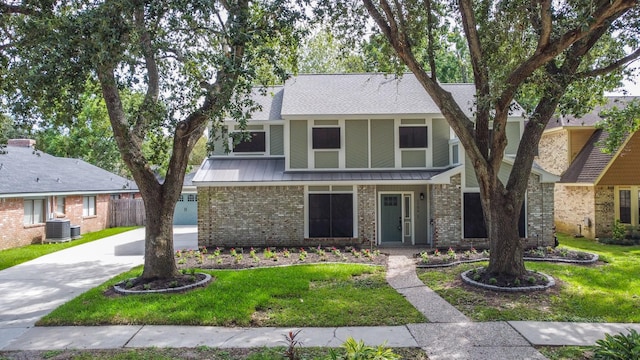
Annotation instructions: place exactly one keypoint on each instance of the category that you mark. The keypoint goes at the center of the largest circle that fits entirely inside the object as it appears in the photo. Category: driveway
(33, 289)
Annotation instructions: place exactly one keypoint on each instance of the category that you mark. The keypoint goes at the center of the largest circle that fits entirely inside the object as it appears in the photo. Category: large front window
(330, 215)
(625, 206)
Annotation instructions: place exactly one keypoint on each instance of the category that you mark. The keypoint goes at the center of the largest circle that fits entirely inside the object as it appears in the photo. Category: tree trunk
(159, 260)
(506, 248)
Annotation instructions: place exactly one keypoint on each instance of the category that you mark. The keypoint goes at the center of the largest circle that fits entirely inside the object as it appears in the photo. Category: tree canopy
(553, 56)
(194, 62)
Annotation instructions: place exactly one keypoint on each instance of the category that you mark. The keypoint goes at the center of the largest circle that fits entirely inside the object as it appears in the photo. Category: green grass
(307, 295)
(15, 256)
(202, 352)
(566, 352)
(608, 292)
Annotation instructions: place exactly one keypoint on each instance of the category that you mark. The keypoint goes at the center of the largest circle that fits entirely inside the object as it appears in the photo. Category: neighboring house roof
(590, 119)
(590, 161)
(25, 171)
(368, 94)
(271, 170)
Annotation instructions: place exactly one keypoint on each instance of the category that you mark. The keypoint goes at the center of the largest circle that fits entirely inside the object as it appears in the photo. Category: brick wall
(540, 209)
(14, 233)
(446, 205)
(251, 216)
(572, 205)
(604, 211)
(552, 152)
(367, 214)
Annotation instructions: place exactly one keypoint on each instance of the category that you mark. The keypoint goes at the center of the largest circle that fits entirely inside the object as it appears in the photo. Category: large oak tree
(194, 61)
(553, 54)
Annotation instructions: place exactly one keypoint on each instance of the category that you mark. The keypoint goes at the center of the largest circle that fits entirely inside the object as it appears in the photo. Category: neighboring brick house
(36, 187)
(355, 159)
(595, 188)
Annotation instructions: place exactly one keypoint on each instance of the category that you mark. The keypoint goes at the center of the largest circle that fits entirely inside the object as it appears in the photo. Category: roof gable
(590, 119)
(589, 163)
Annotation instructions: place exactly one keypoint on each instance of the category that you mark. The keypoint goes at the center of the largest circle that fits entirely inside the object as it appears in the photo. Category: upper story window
(326, 138)
(413, 137)
(255, 143)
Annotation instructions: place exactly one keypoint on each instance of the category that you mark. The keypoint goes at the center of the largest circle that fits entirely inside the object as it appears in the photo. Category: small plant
(367, 253)
(286, 253)
(474, 251)
(219, 261)
(238, 258)
(303, 254)
(336, 252)
(182, 261)
(485, 252)
(252, 252)
(493, 281)
(216, 252)
(531, 279)
(376, 252)
(516, 282)
(477, 277)
(424, 257)
(291, 352)
(358, 350)
(618, 231)
(146, 286)
(618, 347)
(564, 252)
(173, 284)
(451, 254)
(436, 253)
(267, 253)
(211, 257)
(467, 254)
(233, 252)
(178, 254)
(129, 284)
(203, 250)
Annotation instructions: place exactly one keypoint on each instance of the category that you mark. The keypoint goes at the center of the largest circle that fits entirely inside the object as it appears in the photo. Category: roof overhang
(67, 193)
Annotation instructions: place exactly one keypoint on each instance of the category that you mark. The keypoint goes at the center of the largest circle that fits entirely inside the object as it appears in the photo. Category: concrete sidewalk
(27, 296)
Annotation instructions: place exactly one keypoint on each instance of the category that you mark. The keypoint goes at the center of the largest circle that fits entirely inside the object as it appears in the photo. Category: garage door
(186, 212)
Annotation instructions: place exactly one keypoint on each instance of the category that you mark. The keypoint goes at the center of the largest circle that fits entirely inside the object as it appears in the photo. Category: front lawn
(605, 292)
(15, 256)
(322, 295)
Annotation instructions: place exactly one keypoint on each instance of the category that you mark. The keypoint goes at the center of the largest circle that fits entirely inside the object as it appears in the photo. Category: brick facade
(14, 233)
(446, 206)
(552, 152)
(274, 216)
(604, 211)
(447, 212)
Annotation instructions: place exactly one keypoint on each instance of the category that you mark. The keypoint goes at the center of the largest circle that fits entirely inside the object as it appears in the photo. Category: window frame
(32, 214)
(410, 140)
(479, 220)
(260, 134)
(336, 216)
(87, 210)
(317, 136)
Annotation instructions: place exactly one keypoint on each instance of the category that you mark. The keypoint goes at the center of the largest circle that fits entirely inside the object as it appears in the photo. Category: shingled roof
(368, 94)
(590, 161)
(25, 171)
(590, 119)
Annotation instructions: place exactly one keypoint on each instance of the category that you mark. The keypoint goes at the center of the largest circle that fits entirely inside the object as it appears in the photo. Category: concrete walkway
(27, 295)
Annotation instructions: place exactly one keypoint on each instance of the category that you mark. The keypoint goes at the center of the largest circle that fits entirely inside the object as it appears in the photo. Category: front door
(391, 218)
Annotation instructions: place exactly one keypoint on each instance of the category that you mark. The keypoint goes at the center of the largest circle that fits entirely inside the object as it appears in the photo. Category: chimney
(21, 142)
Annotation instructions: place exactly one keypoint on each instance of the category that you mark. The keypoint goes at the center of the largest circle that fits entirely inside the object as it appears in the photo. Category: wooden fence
(126, 212)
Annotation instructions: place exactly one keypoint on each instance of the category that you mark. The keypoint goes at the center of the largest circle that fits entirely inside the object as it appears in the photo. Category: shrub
(619, 231)
(357, 350)
(618, 347)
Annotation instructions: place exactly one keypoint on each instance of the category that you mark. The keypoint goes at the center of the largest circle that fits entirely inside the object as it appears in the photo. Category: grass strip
(604, 292)
(322, 295)
(15, 256)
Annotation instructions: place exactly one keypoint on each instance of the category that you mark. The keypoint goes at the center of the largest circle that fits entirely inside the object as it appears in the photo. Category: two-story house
(354, 159)
(595, 187)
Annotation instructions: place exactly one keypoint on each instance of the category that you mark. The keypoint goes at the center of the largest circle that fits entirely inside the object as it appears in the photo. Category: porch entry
(396, 218)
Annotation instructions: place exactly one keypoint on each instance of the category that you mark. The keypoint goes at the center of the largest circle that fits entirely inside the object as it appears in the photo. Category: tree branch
(545, 24)
(17, 9)
(611, 67)
(153, 86)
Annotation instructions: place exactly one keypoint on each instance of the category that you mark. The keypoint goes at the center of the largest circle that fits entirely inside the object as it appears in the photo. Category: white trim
(71, 193)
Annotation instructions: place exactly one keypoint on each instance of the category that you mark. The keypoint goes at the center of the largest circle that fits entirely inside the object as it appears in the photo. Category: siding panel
(357, 144)
(299, 144)
(440, 142)
(382, 144)
(276, 140)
